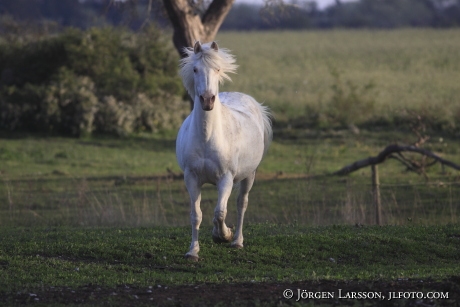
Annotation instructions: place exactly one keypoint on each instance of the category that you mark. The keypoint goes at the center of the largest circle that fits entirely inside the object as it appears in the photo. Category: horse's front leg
(221, 233)
(194, 190)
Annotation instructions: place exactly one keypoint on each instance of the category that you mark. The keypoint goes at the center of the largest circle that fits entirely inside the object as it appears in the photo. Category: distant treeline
(85, 13)
(291, 14)
(304, 14)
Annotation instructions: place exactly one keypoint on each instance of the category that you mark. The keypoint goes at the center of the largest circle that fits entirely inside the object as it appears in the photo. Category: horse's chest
(210, 164)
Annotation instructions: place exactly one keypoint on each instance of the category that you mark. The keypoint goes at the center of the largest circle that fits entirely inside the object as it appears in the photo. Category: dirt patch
(327, 293)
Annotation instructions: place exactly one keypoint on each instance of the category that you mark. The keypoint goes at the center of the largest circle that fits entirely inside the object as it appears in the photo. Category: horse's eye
(194, 70)
(218, 69)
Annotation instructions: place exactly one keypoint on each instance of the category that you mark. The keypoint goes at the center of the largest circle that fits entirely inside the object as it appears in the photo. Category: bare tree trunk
(190, 27)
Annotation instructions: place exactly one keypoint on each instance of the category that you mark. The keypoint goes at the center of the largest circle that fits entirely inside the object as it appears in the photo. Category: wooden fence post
(376, 194)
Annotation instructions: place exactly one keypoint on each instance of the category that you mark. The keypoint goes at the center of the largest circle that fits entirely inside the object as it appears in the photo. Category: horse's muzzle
(207, 101)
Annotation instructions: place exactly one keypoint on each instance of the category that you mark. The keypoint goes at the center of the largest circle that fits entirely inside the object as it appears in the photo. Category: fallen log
(388, 153)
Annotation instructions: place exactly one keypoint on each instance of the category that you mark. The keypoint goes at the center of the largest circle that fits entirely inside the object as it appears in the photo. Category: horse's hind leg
(242, 204)
(221, 233)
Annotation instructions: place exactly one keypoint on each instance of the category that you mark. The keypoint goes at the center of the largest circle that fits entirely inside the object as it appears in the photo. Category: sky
(321, 3)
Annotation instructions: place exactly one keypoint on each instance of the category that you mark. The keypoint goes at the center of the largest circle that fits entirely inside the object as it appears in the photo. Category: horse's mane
(221, 60)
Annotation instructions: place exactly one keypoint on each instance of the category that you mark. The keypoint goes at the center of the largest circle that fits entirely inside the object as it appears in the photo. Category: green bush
(350, 104)
(71, 103)
(100, 80)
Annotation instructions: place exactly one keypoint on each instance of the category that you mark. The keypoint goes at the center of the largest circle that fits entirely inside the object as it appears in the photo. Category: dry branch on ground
(395, 151)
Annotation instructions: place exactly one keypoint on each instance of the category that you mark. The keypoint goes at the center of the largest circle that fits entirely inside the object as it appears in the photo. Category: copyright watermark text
(300, 294)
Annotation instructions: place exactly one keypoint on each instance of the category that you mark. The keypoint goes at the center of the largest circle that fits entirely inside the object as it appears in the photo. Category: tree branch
(189, 27)
(186, 24)
(404, 161)
(215, 15)
(386, 153)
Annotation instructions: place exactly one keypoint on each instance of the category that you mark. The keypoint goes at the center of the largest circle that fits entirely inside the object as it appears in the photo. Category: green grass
(78, 214)
(115, 182)
(52, 157)
(415, 69)
(164, 202)
(272, 253)
(35, 259)
(294, 151)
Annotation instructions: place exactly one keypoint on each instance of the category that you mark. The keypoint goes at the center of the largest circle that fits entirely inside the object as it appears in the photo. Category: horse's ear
(197, 47)
(214, 46)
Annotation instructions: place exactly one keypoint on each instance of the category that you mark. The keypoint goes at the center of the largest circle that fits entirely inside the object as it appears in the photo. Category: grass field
(102, 221)
(136, 182)
(142, 266)
(293, 72)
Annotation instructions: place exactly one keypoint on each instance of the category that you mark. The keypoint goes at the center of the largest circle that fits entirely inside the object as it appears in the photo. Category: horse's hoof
(219, 240)
(237, 246)
(192, 258)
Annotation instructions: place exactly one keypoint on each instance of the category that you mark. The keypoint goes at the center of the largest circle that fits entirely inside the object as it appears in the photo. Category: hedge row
(102, 80)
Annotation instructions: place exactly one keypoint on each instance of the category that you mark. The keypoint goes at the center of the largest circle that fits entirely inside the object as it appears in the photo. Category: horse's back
(238, 102)
(247, 107)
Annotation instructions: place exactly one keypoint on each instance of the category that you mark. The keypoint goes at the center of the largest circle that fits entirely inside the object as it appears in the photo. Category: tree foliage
(99, 80)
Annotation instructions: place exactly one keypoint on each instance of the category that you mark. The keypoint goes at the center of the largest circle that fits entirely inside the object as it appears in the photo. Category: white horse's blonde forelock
(220, 60)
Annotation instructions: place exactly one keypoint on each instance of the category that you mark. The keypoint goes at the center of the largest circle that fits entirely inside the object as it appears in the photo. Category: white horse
(221, 142)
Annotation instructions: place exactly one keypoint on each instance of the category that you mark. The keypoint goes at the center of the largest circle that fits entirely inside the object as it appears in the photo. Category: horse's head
(203, 69)
(206, 76)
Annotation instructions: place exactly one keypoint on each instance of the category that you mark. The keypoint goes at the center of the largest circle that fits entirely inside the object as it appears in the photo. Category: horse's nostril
(201, 98)
(213, 98)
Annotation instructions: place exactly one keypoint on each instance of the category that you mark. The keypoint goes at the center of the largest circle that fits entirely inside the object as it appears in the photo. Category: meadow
(136, 182)
(145, 266)
(300, 74)
(104, 221)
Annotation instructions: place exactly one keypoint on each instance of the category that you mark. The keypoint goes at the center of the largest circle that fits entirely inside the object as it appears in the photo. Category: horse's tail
(268, 131)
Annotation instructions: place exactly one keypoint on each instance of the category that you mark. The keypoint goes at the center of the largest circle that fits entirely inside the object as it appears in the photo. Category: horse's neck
(208, 123)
